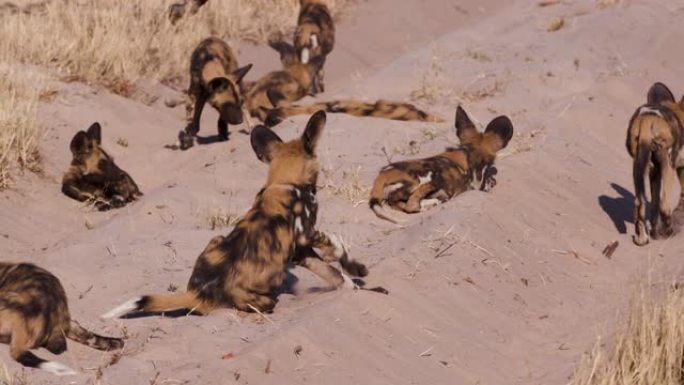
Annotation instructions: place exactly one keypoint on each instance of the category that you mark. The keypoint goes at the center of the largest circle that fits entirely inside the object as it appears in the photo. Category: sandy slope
(520, 295)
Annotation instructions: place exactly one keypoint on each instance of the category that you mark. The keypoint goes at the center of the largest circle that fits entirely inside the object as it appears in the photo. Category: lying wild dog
(214, 78)
(294, 82)
(413, 185)
(94, 176)
(34, 314)
(245, 268)
(178, 10)
(654, 139)
(314, 36)
(380, 109)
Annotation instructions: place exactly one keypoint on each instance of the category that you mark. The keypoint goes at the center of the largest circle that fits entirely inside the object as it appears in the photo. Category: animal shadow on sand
(619, 209)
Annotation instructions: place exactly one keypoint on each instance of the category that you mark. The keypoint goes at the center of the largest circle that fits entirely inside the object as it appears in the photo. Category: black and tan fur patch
(246, 268)
(215, 79)
(34, 314)
(180, 9)
(413, 185)
(314, 36)
(655, 136)
(380, 109)
(93, 175)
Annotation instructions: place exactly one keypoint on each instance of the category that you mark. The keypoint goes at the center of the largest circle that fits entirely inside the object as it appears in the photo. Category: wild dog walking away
(314, 36)
(413, 185)
(654, 140)
(34, 314)
(93, 175)
(214, 78)
(246, 268)
(380, 109)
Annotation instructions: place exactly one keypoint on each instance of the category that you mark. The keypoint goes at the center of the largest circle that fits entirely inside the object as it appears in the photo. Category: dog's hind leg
(667, 176)
(655, 177)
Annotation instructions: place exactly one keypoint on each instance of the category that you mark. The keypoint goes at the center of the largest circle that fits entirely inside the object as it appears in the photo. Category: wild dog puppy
(214, 78)
(292, 83)
(380, 109)
(246, 268)
(178, 10)
(34, 314)
(93, 175)
(654, 140)
(314, 36)
(413, 185)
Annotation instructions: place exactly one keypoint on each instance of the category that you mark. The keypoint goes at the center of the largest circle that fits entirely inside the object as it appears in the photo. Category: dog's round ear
(263, 141)
(313, 131)
(465, 128)
(79, 143)
(502, 127)
(95, 133)
(241, 72)
(218, 85)
(659, 93)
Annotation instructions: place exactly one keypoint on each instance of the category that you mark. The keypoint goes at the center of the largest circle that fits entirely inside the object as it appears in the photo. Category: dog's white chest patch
(425, 178)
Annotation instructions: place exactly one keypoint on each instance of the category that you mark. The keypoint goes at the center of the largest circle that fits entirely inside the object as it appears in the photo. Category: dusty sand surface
(519, 294)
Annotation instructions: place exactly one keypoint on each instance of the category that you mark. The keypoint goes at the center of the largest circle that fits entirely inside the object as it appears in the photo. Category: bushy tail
(380, 109)
(377, 196)
(157, 303)
(88, 338)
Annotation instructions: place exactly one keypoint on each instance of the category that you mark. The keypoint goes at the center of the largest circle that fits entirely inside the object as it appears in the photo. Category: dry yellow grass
(19, 129)
(118, 42)
(218, 218)
(647, 350)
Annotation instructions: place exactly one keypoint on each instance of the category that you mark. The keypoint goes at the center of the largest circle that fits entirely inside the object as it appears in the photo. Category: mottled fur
(93, 175)
(246, 268)
(34, 314)
(214, 78)
(654, 140)
(413, 185)
(380, 109)
(314, 36)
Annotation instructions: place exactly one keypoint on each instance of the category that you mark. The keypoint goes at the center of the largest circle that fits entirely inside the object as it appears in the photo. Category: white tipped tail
(56, 368)
(305, 56)
(123, 309)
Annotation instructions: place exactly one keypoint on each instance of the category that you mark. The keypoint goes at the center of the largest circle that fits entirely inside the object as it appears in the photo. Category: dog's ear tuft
(313, 131)
(659, 93)
(465, 128)
(95, 133)
(263, 141)
(502, 127)
(80, 143)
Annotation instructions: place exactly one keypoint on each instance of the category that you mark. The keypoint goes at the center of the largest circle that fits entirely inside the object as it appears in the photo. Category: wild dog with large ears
(654, 140)
(246, 268)
(413, 185)
(93, 175)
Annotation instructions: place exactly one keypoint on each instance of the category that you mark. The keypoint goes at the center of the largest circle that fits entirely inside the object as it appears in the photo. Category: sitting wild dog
(246, 268)
(654, 139)
(314, 36)
(413, 185)
(34, 314)
(294, 82)
(178, 10)
(380, 109)
(214, 78)
(94, 176)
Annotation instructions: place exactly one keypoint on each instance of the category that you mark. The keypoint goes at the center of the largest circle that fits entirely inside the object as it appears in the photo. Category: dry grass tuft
(351, 188)
(116, 43)
(648, 349)
(431, 86)
(607, 3)
(219, 218)
(19, 129)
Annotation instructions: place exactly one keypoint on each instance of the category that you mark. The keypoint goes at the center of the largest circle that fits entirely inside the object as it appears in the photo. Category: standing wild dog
(314, 36)
(654, 139)
(214, 78)
(413, 185)
(34, 314)
(178, 10)
(94, 176)
(380, 109)
(246, 268)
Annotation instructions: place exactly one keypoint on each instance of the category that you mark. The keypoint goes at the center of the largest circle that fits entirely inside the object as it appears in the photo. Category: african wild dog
(93, 175)
(654, 139)
(246, 268)
(314, 36)
(178, 10)
(380, 109)
(34, 314)
(214, 78)
(413, 185)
